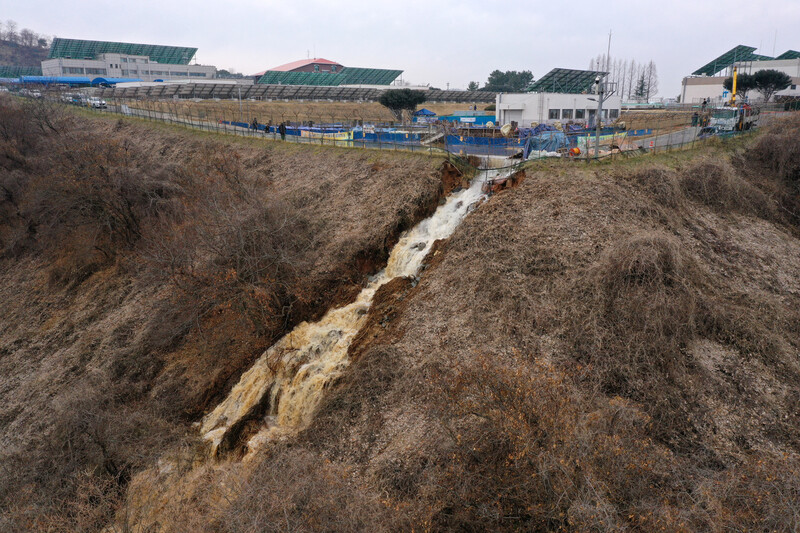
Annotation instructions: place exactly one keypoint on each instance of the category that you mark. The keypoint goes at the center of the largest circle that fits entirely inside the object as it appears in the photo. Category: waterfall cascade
(285, 384)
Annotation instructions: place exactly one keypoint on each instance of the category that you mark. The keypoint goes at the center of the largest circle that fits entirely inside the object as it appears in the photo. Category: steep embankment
(144, 268)
(598, 349)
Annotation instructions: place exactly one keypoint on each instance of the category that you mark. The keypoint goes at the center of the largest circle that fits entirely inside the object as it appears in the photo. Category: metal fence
(643, 132)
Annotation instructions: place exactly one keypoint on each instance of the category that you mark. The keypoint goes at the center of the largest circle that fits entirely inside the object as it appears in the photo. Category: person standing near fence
(282, 131)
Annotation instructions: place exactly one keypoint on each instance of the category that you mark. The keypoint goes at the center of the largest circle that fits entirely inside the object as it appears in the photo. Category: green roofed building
(146, 62)
(564, 80)
(706, 84)
(323, 72)
(80, 49)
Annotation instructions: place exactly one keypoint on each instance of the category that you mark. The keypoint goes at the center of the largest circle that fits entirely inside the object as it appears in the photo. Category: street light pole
(600, 91)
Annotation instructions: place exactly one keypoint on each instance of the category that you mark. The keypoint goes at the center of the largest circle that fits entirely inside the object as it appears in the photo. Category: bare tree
(11, 31)
(651, 79)
(632, 77)
(27, 37)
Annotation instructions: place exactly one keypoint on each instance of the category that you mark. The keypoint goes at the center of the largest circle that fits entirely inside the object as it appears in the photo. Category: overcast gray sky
(436, 42)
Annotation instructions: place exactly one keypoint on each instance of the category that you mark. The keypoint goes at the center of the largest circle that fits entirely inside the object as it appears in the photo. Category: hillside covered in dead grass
(600, 349)
(142, 269)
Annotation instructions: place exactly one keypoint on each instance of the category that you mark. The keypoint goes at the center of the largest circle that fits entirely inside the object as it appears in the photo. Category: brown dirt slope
(595, 350)
(142, 268)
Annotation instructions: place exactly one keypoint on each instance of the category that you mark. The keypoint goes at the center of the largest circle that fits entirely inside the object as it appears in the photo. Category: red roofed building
(316, 64)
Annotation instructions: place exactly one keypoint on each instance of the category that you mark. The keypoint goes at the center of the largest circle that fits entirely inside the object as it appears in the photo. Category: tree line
(23, 37)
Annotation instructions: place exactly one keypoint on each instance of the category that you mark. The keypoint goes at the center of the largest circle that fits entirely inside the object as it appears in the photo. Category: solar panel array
(347, 76)
(10, 71)
(738, 53)
(789, 54)
(564, 80)
(278, 92)
(80, 49)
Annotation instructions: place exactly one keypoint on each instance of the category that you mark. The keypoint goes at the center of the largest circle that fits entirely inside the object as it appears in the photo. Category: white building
(528, 109)
(571, 101)
(73, 57)
(125, 66)
(706, 83)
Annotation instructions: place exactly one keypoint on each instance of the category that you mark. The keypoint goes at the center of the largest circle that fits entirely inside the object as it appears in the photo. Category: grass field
(276, 112)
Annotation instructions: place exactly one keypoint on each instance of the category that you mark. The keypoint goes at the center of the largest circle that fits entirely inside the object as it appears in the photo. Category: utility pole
(600, 90)
(604, 92)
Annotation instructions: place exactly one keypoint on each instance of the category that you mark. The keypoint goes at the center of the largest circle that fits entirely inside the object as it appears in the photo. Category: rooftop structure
(564, 80)
(738, 54)
(344, 76)
(149, 62)
(789, 54)
(81, 49)
(706, 83)
(317, 64)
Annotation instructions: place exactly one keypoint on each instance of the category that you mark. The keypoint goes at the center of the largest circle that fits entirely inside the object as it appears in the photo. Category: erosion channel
(282, 389)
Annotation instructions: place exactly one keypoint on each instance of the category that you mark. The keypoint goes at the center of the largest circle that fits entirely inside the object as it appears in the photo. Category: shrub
(660, 182)
(719, 186)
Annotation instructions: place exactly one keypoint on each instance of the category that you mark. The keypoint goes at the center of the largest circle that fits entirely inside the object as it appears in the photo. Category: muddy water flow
(284, 386)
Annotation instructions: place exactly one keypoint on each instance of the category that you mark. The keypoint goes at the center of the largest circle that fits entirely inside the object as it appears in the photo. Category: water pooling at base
(285, 384)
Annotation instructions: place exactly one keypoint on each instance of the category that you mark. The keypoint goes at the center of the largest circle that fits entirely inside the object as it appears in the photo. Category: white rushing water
(290, 376)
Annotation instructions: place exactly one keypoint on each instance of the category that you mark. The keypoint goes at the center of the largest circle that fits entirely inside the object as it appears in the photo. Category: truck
(729, 119)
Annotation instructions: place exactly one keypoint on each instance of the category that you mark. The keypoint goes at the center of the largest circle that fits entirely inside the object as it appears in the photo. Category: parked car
(97, 103)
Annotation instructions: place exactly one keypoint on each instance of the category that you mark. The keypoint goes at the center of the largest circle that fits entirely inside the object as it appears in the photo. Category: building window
(794, 87)
(124, 59)
(566, 114)
(614, 113)
(316, 68)
(184, 74)
(73, 70)
(580, 113)
(197, 74)
(554, 114)
(96, 71)
(333, 69)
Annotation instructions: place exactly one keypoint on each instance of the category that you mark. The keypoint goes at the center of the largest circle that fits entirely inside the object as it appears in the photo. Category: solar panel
(10, 71)
(347, 76)
(738, 53)
(81, 49)
(789, 54)
(563, 80)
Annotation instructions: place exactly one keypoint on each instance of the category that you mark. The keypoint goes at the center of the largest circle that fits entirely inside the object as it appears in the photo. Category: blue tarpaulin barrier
(546, 141)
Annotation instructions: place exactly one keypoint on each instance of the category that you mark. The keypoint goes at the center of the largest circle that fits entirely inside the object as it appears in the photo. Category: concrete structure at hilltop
(706, 82)
(146, 62)
(561, 95)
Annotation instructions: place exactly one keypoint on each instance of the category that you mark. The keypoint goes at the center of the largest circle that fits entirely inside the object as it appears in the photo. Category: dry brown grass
(277, 112)
(154, 265)
(589, 352)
